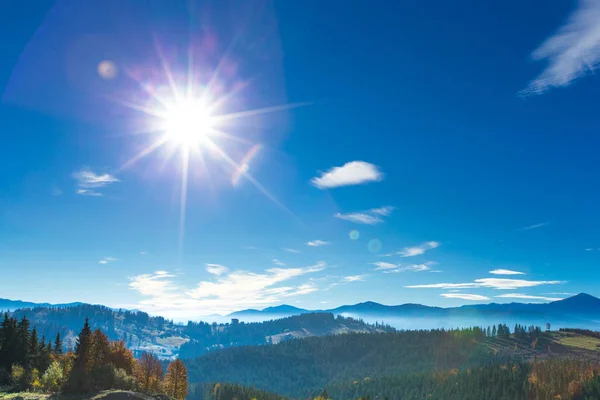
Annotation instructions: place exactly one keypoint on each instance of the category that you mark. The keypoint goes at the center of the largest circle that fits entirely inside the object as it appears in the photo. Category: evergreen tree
(58, 344)
(34, 350)
(79, 380)
(22, 343)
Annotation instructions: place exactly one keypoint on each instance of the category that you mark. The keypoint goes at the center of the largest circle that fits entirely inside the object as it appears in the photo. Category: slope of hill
(302, 367)
(411, 365)
(143, 333)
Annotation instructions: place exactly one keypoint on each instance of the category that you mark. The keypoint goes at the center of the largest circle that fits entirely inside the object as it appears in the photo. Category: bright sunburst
(189, 122)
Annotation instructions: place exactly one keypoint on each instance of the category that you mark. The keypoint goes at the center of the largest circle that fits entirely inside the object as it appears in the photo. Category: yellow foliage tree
(149, 374)
(176, 380)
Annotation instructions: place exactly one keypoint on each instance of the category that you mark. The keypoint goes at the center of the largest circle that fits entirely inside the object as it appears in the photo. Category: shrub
(54, 378)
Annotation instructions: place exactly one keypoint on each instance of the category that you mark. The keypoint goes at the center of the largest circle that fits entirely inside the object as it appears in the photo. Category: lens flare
(244, 165)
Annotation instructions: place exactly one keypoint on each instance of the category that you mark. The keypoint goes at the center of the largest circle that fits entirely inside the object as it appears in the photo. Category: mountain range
(582, 310)
(579, 311)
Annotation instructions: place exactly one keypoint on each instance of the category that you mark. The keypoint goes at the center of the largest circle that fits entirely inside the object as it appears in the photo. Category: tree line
(566, 379)
(97, 363)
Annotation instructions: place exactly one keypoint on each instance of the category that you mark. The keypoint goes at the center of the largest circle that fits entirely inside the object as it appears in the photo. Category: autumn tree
(176, 380)
(149, 373)
(121, 357)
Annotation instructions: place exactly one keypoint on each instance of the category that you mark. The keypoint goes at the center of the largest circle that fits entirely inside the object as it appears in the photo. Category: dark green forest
(299, 367)
(537, 380)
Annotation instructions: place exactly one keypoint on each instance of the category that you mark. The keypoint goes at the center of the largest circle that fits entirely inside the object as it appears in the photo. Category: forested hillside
(540, 380)
(388, 364)
(144, 333)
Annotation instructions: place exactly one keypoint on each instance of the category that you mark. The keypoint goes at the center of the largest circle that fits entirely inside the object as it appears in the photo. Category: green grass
(576, 340)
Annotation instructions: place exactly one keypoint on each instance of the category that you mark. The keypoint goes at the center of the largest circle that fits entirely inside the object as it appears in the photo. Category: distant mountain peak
(282, 308)
(579, 298)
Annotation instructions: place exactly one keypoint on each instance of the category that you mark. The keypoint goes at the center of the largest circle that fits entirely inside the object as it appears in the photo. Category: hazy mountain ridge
(576, 307)
(144, 333)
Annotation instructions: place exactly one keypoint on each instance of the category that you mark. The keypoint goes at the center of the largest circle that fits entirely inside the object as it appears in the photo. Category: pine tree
(22, 342)
(79, 380)
(58, 344)
(34, 350)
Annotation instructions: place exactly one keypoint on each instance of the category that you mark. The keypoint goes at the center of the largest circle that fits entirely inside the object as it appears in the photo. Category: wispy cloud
(317, 243)
(291, 250)
(143, 253)
(359, 218)
(572, 52)
(464, 296)
(381, 265)
(370, 217)
(389, 268)
(494, 283)
(506, 272)
(216, 269)
(56, 192)
(277, 262)
(535, 226)
(226, 292)
(343, 280)
(416, 250)
(527, 296)
(351, 173)
(560, 293)
(88, 182)
(385, 211)
(107, 260)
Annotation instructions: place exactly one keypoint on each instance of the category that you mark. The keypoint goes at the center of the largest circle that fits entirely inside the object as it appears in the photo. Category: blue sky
(443, 155)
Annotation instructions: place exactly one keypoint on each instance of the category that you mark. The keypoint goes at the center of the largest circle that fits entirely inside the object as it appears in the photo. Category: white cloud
(359, 218)
(102, 262)
(381, 265)
(228, 291)
(572, 52)
(277, 262)
(88, 181)
(351, 173)
(354, 278)
(534, 226)
(506, 272)
(494, 283)
(343, 280)
(88, 192)
(107, 260)
(527, 296)
(464, 296)
(416, 250)
(216, 269)
(291, 250)
(370, 217)
(318, 243)
(157, 285)
(143, 253)
(385, 211)
(560, 293)
(397, 268)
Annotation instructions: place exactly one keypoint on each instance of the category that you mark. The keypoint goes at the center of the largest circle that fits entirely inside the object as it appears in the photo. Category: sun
(188, 124)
